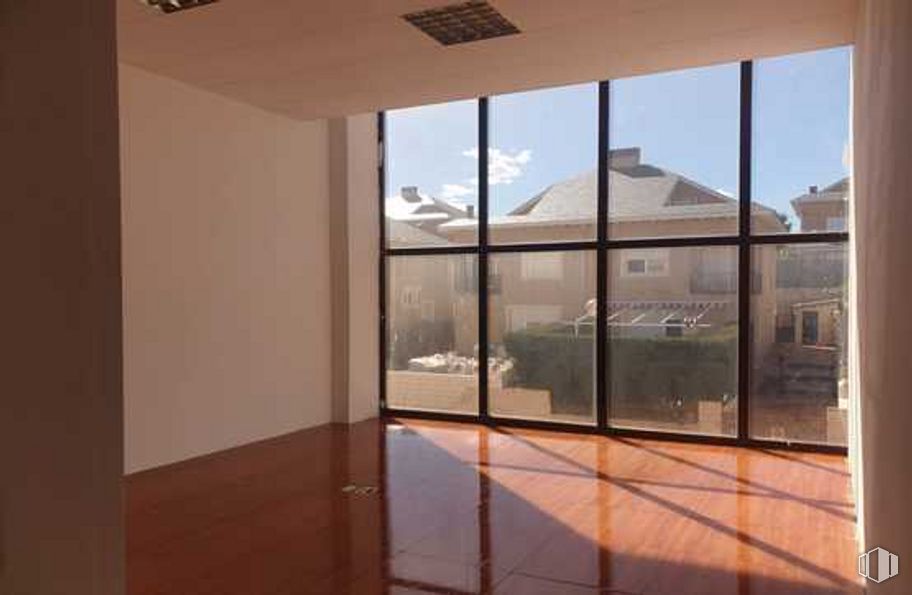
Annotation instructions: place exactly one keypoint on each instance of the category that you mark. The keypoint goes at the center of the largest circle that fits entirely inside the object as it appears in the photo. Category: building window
(809, 328)
(647, 263)
(623, 199)
(636, 266)
(428, 310)
(410, 296)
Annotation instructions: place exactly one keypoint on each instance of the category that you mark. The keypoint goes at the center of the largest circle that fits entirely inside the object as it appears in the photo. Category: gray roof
(400, 233)
(636, 193)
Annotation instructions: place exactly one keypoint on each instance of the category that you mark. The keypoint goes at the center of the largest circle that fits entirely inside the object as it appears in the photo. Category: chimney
(624, 158)
(812, 189)
(410, 194)
(470, 211)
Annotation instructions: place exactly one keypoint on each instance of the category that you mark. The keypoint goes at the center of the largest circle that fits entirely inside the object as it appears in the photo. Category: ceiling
(309, 59)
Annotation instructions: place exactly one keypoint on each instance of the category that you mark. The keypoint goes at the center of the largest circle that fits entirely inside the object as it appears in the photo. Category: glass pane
(432, 175)
(798, 363)
(801, 142)
(432, 333)
(542, 169)
(673, 339)
(673, 163)
(542, 335)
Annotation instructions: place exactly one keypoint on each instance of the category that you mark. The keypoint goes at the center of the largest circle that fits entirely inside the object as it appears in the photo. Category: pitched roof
(637, 192)
(413, 206)
(836, 192)
(400, 233)
(640, 192)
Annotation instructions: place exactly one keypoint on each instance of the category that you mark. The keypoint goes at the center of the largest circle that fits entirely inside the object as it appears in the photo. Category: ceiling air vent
(462, 23)
(169, 6)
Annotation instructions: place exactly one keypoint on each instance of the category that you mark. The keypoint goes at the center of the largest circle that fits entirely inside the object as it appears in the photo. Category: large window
(658, 254)
(673, 164)
(541, 336)
(798, 362)
(432, 333)
(801, 142)
(673, 340)
(431, 175)
(542, 165)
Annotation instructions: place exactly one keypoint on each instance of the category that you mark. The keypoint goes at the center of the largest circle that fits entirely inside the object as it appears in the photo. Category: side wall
(61, 416)
(226, 272)
(355, 212)
(883, 143)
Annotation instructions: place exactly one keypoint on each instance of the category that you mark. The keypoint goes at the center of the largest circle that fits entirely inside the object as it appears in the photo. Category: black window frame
(744, 240)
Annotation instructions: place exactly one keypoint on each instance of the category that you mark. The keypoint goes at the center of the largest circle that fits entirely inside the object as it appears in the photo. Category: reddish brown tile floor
(466, 509)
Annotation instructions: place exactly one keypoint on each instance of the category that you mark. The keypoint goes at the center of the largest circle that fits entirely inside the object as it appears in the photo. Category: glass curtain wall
(658, 254)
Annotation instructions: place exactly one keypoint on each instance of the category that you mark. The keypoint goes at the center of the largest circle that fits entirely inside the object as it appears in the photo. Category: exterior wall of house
(818, 216)
(226, 272)
(569, 293)
(538, 286)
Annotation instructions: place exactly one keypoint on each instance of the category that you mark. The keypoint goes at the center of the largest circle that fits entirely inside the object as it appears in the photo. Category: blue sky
(684, 121)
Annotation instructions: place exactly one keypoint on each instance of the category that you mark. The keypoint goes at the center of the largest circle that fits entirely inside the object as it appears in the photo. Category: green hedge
(644, 373)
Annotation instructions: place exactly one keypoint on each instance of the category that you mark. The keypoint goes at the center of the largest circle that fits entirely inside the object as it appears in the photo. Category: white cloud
(503, 168)
(451, 191)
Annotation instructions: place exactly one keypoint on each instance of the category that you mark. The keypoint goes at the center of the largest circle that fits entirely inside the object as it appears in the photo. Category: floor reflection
(467, 509)
(585, 514)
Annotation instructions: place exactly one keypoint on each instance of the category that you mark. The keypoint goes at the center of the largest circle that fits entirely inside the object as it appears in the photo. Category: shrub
(555, 360)
(644, 372)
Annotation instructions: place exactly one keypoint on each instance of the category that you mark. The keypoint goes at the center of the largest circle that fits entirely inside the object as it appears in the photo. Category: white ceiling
(308, 59)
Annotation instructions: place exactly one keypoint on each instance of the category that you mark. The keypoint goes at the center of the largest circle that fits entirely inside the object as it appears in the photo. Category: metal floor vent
(360, 490)
(401, 430)
(462, 23)
(169, 6)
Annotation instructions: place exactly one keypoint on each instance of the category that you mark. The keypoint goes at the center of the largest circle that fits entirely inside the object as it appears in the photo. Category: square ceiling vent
(462, 23)
(169, 6)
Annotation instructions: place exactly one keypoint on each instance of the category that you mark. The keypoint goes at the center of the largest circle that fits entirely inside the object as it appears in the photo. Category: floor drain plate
(360, 490)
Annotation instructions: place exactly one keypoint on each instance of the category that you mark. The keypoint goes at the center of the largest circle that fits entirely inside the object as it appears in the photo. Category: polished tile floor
(426, 507)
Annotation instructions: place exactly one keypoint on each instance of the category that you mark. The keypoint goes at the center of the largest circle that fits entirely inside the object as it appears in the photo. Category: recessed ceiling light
(462, 23)
(169, 6)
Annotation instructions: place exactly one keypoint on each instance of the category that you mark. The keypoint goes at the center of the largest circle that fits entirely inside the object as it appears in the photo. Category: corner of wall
(355, 254)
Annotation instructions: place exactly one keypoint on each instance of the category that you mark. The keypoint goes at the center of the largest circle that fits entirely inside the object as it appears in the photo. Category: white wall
(226, 271)
(355, 261)
(363, 265)
(883, 143)
(61, 451)
(883, 213)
